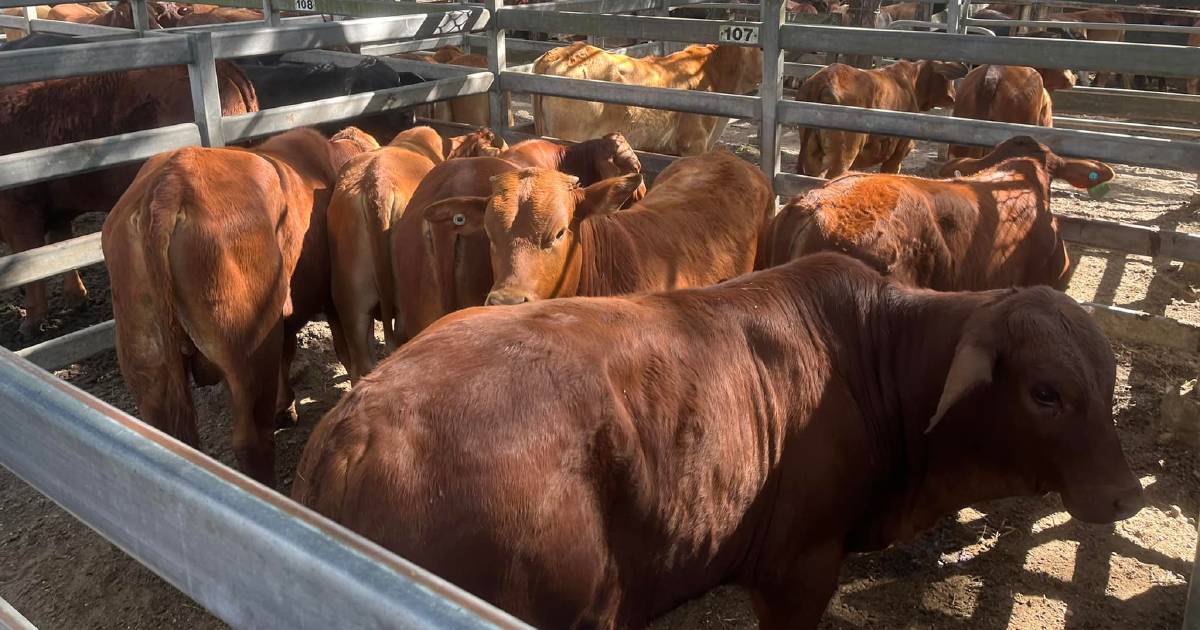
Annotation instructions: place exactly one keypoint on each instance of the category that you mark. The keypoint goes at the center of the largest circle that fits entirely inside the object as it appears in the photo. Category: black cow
(293, 83)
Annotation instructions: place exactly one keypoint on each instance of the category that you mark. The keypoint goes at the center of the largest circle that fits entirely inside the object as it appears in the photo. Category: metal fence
(425, 26)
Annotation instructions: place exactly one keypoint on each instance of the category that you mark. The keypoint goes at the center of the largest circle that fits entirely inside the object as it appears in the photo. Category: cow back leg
(74, 294)
(893, 162)
(254, 396)
(355, 295)
(841, 149)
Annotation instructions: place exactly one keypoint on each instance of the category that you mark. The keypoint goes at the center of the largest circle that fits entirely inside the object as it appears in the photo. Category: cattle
(439, 270)
(1012, 94)
(904, 86)
(472, 110)
(990, 230)
(372, 192)
(549, 237)
(590, 160)
(592, 463)
(285, 83)
(62, 12)
(1098, 35)
(220, 15)
(217, 258)
(60, 111)
(708, 68)
(41, 40)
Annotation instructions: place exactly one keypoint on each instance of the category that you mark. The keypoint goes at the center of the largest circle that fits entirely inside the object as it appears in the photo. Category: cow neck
(912, 337)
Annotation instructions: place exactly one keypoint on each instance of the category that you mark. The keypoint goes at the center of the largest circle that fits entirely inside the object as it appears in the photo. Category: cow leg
(254, 401)
(892, 164)
(74, 294)
(798, 600)
(339, 340)
(25, 229)
(285, 403)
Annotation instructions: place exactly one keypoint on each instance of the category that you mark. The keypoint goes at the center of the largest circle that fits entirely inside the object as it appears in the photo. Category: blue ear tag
(1093, 176)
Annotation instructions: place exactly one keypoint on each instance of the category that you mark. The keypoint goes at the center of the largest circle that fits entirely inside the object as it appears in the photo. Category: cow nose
(505, 298)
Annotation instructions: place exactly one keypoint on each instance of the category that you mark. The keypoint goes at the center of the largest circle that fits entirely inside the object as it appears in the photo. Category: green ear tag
(1098, 191)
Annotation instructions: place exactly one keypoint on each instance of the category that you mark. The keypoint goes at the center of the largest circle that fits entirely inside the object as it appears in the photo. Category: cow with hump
(596, 462)
(699, 224)
(372, 192)
(987, 228)
(707, 68)
(904, 86)
(441, 267)
(218, 257)
(1011, 94)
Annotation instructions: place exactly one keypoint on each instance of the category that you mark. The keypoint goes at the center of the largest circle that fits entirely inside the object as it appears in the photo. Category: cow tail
(378, 205)
(539, 116)
(240, 81)
(991, 82)
(151, 342)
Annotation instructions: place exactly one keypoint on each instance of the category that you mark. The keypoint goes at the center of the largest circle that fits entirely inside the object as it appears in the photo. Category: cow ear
(1082, 173)
(462, 214)
(972, 366)
(606, 196)
(950, 69)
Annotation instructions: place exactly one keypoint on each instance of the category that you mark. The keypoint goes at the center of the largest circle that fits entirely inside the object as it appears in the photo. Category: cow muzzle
(507, 298)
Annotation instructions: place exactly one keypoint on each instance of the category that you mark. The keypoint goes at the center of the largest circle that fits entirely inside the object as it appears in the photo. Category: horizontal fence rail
(247, 554)
(44, 262)
(40, 64)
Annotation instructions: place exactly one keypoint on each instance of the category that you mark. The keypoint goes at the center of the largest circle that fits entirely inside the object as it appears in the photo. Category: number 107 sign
(738, 34)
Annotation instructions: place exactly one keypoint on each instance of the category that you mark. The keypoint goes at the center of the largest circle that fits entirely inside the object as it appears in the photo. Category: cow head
(482, 142)
(1030, 388)
(609, 156)
(1057, 79)
(1078, 173)
(532, 220)
(935, 83)
(735, 69)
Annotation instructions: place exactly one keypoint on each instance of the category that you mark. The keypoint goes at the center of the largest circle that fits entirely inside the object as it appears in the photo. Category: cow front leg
(797, 599)
(74, 294)
(24, 230)
(286, 415)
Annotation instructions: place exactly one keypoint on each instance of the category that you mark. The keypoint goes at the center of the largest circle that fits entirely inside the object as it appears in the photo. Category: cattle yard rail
(76, 433)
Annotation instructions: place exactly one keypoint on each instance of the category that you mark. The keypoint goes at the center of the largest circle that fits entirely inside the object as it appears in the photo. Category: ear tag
(1098, 191)
(957, 173)
(459, 219)
(1093, 176)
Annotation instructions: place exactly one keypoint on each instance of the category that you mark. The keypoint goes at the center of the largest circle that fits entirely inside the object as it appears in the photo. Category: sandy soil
(1008, 564)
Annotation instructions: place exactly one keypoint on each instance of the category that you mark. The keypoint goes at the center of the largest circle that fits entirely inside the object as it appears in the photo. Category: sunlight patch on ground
(956, 596)
(1036, 611)
(1128, 578)
(1055, 559)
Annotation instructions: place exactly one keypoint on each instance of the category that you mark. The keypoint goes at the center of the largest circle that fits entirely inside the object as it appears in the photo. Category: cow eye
(1044, 395)
(559, 236)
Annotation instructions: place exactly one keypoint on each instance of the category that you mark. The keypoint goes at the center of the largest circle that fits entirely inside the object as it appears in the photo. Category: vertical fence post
(141, 16)
(270, 13)
(1191, 610)
(30, 14)
(770, 91)
(954, 16)
(496, 64)
(206, 95)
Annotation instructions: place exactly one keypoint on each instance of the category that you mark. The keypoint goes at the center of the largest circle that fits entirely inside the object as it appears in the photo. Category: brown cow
(438, 270)
(904, 86)
(48, 113)
(1012, 94)
(592, 463)
(372, 192)
(1103, 16)
(217, 258)
(987, 231)
(590, 160)
(699, 224)
(210, 14)
(707, 68)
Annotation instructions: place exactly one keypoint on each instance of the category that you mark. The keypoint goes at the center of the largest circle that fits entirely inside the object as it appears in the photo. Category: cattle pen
(255, 559)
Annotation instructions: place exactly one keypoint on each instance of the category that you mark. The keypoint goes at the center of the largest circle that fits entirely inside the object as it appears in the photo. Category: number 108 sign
(738, 34)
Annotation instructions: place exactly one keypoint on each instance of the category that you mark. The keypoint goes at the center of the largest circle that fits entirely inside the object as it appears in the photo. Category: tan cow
(372, 192)
(217, 257)
(472, 110)
(904, 86)
(706, 68)
(1012, 94)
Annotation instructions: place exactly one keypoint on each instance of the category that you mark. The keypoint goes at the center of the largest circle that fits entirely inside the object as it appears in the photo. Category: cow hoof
(30, 329)
(75, 302)
(287, 418)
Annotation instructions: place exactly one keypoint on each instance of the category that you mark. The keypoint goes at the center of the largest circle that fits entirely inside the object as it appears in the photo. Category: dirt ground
(1020, 563)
